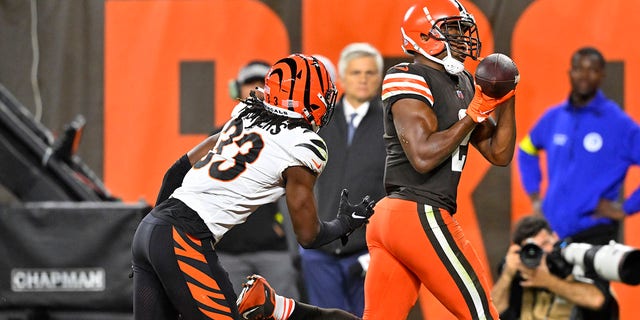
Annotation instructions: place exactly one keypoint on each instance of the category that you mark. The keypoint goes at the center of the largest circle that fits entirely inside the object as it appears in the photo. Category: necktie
(351, 128)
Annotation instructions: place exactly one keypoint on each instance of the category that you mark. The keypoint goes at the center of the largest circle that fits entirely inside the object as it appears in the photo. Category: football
(497, 74)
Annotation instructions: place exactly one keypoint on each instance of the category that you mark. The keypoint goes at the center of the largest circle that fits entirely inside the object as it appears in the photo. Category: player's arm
(202, 148)
(310, 231)
(301, 202)
(416, 125)
(173, 177)
(497, 142)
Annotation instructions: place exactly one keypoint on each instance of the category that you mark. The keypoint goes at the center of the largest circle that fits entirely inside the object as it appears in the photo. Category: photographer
(522, 292)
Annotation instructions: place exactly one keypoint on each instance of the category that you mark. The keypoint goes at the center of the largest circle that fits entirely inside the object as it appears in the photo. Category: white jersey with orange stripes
(244, 171)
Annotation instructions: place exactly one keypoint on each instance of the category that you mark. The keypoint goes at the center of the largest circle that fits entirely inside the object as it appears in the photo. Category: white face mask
(452, 65)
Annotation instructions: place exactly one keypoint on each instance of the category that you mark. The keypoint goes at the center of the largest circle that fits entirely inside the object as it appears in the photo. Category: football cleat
(257, 299)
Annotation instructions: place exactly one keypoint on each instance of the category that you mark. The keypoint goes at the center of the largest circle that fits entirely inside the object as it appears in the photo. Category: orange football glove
(482, 105)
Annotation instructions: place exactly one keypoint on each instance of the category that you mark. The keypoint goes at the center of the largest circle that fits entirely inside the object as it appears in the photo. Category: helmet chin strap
(450, 64)
(314, 123)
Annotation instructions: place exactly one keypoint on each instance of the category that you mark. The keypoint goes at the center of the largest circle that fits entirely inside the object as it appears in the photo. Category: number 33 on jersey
(255, 156)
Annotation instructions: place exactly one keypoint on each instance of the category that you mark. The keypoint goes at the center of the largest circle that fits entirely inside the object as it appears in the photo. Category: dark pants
(330, 282)
(177, 274)
(598, 235)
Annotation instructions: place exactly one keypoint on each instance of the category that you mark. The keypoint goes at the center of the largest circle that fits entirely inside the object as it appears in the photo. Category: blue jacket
(588, 152)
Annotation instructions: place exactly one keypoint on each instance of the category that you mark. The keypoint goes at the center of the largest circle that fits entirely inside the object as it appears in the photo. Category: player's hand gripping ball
(497, 74)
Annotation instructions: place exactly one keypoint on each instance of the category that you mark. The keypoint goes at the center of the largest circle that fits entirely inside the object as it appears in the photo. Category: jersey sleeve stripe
(320, 144)
(407, 86)
(397, 89)
(313, 149)
(404, 83)
(408, 77)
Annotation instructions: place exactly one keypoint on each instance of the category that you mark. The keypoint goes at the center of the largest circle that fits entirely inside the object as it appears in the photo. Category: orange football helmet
(300, 86)
(431, 27)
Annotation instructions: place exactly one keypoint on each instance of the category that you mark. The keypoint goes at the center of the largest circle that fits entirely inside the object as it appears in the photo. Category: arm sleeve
(173, 178)
(632, 204)
(329, 231)
(528, 159)
(529, 166)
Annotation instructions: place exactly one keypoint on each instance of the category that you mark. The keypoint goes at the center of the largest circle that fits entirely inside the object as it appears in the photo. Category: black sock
(304, 311)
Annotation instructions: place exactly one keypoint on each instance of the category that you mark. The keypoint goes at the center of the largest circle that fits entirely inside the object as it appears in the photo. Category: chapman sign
(48, 280)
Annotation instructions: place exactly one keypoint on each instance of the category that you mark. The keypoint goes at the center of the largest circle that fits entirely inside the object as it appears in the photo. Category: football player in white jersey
(268, 149)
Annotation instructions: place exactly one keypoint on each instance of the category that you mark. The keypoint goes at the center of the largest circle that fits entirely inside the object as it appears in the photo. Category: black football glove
(353, 216)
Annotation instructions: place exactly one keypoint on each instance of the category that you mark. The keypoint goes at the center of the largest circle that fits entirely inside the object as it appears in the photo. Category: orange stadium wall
(151, 78)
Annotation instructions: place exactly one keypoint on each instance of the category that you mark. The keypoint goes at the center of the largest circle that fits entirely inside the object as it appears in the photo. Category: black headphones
(254, 70)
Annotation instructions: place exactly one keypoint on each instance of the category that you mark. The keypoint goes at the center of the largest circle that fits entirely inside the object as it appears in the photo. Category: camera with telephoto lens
(611, 262)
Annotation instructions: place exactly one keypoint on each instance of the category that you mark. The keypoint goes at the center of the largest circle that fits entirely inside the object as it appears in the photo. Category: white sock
(283, 308)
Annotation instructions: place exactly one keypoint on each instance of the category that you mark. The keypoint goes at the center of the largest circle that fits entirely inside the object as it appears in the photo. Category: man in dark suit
(334, 274)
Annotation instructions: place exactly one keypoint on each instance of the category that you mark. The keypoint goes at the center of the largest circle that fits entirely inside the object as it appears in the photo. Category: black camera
(531, 255)
(612, 262)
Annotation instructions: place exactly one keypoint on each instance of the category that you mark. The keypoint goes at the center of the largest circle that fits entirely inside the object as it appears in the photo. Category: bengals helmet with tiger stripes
(435, 26)
(299, 86)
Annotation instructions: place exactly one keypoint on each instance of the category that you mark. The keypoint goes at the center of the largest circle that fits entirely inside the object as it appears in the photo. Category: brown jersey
(446, 94)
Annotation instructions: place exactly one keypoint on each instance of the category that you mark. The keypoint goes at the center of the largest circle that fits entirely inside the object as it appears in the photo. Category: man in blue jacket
(590, 143)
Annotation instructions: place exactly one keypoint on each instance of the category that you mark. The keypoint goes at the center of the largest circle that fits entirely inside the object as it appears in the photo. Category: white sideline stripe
(466, 279)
